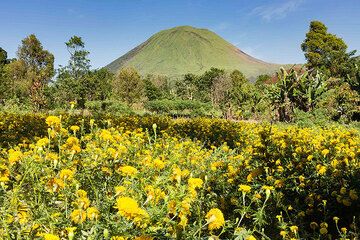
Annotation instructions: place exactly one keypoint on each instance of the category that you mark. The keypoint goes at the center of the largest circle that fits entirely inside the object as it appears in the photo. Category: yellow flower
(49, 236)
(215, 219)
(92, 213)
(128, 170)
(268, 189)
(75, 128)
(251, 237)
(159, 164)
(53, 121)
(119, 190)
(82, 202)
(294, 229)
(195, 183)
(117, 238)
(14, 156)
(244, 188)
(78, 216)
(71, 231)
(66, 174)
(323, 231)
(127, 206)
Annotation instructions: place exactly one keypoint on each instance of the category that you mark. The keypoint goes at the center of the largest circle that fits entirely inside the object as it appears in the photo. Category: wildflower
(71, 233)
(195, 183)
(323, 231)
(251, 237)
(14, 156)
(283, 233)
(66, 174)
(53, 121)
(49, 236)
(92, 213)
(268, 189)
(215, 218)
(119, 190)
(336, 219)
(244, 188)
(128, 170)
(127, 206)
(159, 164)
(325, 152)
(294, 229)
(82, 202)
(81, 193)
(75, 128)
(343, 229)
(78, 216)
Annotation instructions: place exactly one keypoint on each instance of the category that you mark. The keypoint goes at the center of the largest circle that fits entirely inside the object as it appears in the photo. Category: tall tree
(325, 51)
(128, 86)
(39, 65)
(73, 82)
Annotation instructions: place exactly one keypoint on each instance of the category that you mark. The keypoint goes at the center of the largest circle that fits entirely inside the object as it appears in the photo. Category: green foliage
(38, 68)
(179, 107)
(128, 86)
(108, 106)
(325, 51)
(156, 87)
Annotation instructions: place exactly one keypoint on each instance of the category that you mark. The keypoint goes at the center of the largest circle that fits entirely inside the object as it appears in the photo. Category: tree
(39, 65)
(325, 51)
(127, 86)
(3, 57)
(74, 81)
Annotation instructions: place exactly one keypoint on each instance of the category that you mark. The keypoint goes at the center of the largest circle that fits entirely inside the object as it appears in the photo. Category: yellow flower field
(271, 182)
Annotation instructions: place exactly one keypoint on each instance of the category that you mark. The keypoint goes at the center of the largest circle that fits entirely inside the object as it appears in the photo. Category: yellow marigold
(321, 169)
(244, 188)
(128, 170)
(49, 236)
(92, 213)
(83, 202)
(53, 121)
(195, 183)
(66, 174)
(75, 128)
(105, 135)
(119, 190)
(117, 238)
(81, 193)
(127, 206)
(251, 237)
(42, 142)
(14, 156)
(215, 218)
(323, 231)
(71, 231)
(78, 216)
(325, 152)
(294, 229)
(159, 164)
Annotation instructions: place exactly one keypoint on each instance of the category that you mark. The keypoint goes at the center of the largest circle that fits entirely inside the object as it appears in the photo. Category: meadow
(75, 177)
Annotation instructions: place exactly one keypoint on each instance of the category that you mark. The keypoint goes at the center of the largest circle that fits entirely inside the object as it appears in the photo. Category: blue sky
(269, 30)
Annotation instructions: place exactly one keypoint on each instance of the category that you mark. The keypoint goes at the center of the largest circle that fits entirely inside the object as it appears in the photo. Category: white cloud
(277, 11)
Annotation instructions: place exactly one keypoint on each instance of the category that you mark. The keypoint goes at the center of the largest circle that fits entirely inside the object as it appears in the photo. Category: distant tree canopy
(325, 51)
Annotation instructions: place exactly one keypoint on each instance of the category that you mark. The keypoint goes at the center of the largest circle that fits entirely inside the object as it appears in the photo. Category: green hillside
(186, 49)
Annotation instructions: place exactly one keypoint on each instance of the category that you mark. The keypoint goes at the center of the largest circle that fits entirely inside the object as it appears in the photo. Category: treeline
(325, 88)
